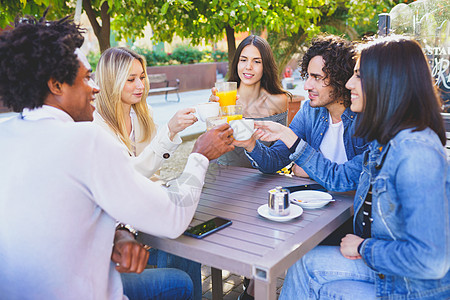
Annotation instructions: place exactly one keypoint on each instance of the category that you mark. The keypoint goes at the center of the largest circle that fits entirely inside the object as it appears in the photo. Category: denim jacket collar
(347, 116)
(379, 152)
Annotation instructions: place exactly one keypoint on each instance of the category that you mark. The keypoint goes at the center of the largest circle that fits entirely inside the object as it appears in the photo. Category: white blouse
(147, 156)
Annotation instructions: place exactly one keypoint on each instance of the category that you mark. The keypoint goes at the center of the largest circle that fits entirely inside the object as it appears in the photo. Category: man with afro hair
(64, 182)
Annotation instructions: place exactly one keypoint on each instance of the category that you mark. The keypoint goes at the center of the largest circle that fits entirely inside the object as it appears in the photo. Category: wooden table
(252, 246)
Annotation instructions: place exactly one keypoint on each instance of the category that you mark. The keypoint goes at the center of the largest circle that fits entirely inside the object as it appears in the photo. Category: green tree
(59, 8)
(348, 18)
(104, 15)
(212, 19)
(289, 22)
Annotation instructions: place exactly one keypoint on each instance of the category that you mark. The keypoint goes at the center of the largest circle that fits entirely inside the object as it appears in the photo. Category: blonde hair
(111, 75)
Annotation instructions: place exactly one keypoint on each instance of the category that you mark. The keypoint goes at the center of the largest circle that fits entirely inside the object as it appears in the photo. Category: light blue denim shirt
(410, 242)
(309, 124)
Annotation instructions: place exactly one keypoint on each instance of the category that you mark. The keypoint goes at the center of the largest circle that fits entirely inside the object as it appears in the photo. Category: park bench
(162, 78)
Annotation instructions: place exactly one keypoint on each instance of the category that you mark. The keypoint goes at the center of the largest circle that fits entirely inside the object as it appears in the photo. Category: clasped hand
(349, 246)
(129, 255)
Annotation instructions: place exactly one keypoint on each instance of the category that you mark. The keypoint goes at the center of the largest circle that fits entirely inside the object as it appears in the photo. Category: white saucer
(310, 195)
(294, 212)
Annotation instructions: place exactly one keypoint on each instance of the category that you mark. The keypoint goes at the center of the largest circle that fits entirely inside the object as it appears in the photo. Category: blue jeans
(157, 284)
(193, 269)
(323, 273)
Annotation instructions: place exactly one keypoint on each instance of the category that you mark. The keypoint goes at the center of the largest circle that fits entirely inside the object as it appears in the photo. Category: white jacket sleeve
(152, 157)
(132, 199)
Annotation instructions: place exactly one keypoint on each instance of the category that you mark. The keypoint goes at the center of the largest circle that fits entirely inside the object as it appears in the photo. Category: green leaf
(164, 8)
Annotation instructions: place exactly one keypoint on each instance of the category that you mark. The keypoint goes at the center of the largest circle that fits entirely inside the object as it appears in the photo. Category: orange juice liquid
(227, 98)
(233, 117)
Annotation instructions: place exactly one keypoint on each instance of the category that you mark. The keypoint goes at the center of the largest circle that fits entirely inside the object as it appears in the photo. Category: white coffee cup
(207, 110)
(242, 129)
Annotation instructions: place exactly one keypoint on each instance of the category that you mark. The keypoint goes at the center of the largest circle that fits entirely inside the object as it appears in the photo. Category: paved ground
(231, 283)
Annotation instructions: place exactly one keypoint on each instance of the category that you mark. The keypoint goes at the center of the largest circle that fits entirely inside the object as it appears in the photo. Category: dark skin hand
(130, 255)
(215, 142)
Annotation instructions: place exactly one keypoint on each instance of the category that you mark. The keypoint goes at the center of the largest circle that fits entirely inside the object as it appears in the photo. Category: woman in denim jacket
(401, 245)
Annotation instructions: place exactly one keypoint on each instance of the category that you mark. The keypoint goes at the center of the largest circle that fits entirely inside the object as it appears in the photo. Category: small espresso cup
(242, 129)
(207, 110)
(279, 202)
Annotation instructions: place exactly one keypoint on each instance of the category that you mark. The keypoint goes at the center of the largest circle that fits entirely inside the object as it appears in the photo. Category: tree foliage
(289, 22)
(12, 8)
(349, 18)
(211, 19)
(103, 15)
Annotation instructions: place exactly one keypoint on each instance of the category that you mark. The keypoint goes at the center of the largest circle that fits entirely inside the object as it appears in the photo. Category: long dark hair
(270, 80)
(398, 89)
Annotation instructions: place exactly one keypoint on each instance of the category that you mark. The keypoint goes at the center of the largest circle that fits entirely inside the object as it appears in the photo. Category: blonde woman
(121, 108)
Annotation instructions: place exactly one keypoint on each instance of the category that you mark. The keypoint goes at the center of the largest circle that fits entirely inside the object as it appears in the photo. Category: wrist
(126, 228)
(288, 137)
(360, 246)
(170, 132)
(251, 146)
(294, 146)
(172, 135)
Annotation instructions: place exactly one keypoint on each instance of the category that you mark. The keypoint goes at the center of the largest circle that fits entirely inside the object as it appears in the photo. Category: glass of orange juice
(226, 91)
(215, 121)
(231, 112)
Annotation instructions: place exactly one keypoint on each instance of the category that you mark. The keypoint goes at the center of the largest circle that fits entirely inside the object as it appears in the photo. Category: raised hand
(213, 97)
(181, 120)
(269, 131)
(248, 144)
(215, 142)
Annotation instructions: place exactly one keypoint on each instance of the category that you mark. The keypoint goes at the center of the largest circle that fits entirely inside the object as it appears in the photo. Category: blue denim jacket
(310, 124)
(410, 243)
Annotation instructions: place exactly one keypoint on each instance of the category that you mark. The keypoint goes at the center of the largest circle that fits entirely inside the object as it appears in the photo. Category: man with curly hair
(60, 194)
(325, 121)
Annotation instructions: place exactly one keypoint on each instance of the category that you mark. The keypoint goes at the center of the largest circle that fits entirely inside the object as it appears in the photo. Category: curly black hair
(32, 53)
(338, 55)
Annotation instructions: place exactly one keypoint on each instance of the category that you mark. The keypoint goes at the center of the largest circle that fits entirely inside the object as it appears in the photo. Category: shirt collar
(46, 112)
(349, 114)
